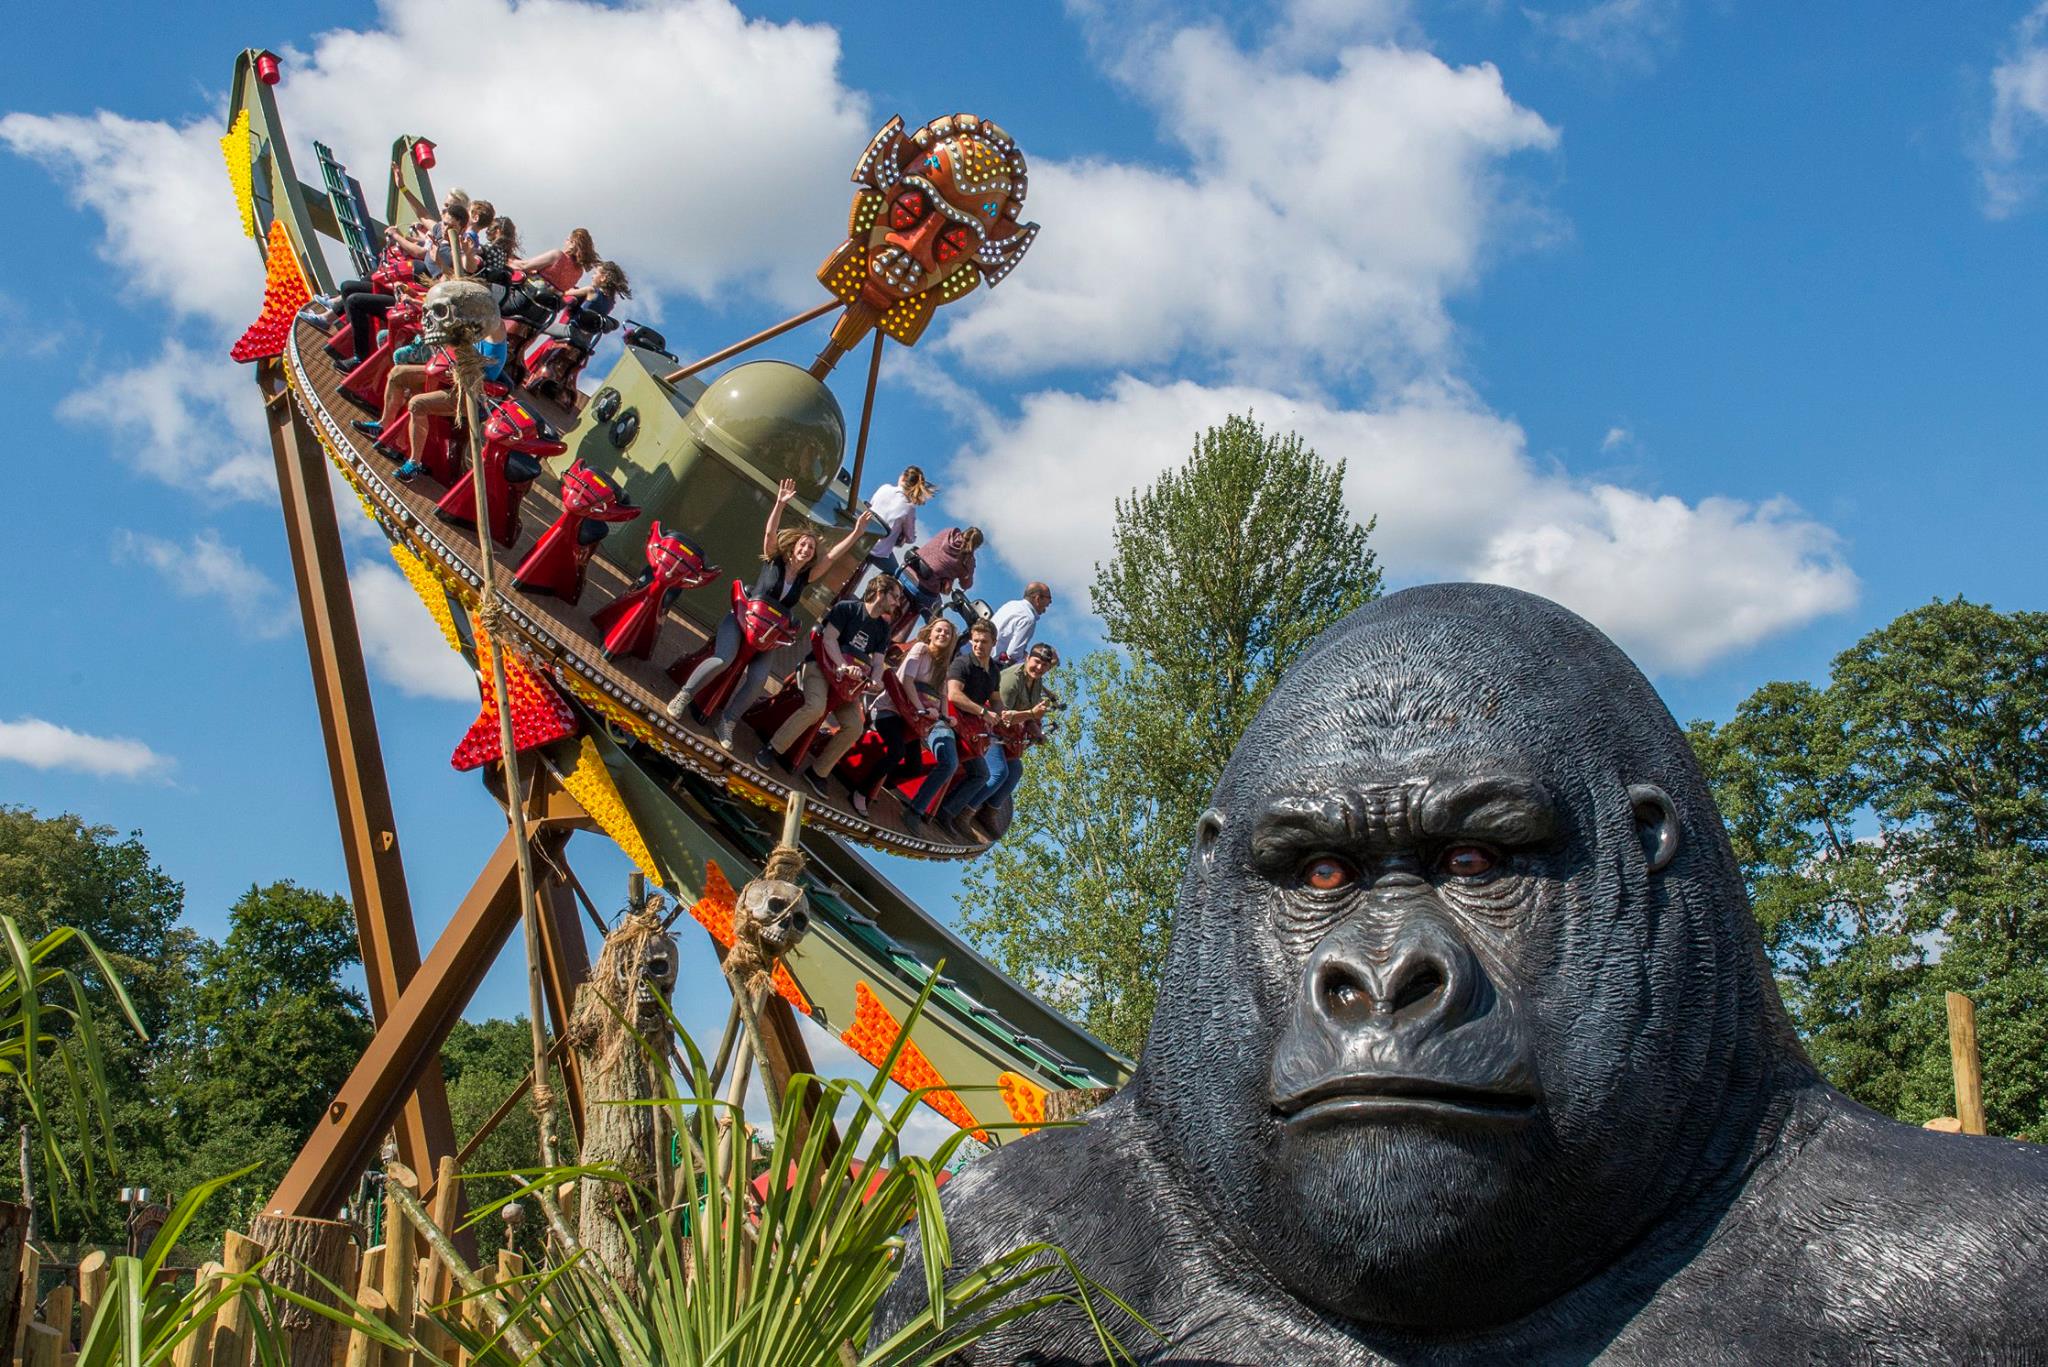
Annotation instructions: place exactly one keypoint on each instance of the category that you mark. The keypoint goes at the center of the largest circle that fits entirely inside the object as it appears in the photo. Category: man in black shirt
(971, 690)
(850, 642)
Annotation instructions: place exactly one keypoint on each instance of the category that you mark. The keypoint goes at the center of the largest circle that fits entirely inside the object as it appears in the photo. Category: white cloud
(2019, 109)
(751, 129)
(161, 192)
(1627, 35)
(1617, 438)
(1320, 225)
(401, 642)
(1456, 495)
(204, 566)
(45, 745)
(190, 418)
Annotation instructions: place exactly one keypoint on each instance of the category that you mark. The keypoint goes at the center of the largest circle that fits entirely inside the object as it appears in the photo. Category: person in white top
(895, 507)
(1017, 620)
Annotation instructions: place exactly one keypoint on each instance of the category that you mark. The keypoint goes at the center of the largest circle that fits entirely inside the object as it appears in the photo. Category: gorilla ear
(1207, 832)
(1656, 824)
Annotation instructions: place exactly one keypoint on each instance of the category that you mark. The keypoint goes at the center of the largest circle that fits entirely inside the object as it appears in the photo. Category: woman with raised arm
(789, 559)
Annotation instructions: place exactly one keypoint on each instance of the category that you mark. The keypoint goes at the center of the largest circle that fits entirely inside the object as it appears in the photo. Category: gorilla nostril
(1420, 986)
(1341, 993)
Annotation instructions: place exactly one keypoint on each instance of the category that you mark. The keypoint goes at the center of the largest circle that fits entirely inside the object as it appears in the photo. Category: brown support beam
(405, 1052)
(565, 963)
(348, 722)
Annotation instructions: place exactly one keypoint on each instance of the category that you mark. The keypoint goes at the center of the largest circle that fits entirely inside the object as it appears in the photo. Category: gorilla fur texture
(1468, 1051)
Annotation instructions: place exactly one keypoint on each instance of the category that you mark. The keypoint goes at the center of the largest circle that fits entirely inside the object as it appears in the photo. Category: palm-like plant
(50, 1050)
(789, 1279)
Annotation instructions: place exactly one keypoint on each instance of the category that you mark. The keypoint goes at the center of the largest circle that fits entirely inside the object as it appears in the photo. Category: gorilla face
(1488, 1029)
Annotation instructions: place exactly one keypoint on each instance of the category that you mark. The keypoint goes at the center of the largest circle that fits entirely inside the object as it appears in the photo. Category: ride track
(697, 820)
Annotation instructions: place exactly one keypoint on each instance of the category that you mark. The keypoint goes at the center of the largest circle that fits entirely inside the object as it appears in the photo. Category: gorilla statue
(1468, 1052)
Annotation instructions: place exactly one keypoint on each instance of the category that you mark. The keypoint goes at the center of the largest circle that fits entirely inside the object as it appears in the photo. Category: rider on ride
(850, 645)
(789, 557)
(1022, 693)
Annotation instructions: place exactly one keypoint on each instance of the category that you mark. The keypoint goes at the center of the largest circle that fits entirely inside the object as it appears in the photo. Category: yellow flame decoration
(590, 783)
(236, 150)
(430, 591)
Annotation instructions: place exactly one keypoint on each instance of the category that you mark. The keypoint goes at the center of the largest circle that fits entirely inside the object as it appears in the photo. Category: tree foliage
(1893, 829)
(1223, 572)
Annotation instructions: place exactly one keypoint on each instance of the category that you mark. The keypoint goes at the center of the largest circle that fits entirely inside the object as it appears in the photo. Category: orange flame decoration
(284, 294)
(715, 910)
(1025, 1098)
(874, 1032)
(539, 716)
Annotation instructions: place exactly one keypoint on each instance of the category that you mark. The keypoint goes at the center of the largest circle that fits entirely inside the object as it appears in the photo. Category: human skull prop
(457, 313)
(779, 912)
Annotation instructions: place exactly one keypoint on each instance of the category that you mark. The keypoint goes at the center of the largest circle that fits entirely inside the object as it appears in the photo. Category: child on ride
(921, 672)
(851, 642)
(365, 306)
(789, 557)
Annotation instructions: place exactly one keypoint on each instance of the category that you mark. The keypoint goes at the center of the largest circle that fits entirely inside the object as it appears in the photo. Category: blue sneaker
(410, 469)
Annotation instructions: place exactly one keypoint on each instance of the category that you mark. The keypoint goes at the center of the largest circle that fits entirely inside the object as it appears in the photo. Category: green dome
(777, 418)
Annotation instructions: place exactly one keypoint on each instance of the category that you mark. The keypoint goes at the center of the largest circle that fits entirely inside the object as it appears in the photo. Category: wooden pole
(399, 1259)
(27, 1295)
(92, 1285)
(57, 1310)
(231, 1337)
(867, 413)
(1962, 1051)
(197, 1349)
(768, 335)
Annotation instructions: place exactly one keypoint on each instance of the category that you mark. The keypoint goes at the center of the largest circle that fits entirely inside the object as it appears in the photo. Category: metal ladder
(351, 214)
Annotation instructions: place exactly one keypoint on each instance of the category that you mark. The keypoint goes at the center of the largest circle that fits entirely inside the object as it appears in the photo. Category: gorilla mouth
(1369, 1098)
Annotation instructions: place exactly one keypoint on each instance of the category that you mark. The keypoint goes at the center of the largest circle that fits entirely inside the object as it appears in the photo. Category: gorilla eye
(1467, 861)
(1327, 873)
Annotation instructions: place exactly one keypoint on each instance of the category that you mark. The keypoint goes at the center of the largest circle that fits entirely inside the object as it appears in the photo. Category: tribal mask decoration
(938, 213)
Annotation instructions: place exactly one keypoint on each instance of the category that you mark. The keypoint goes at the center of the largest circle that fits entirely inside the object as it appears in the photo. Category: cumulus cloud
(1319, 225)
(187, 417)
(1630, 36)
(748, 121)
(401, 642)
(204, 566)
(1456, 495)
(2019, 110)
(45, 745)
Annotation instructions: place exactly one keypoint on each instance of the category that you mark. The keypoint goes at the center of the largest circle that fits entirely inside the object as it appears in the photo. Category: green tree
(265, 1036)
(484, 1062)
(1223, 572)
(1893, 830)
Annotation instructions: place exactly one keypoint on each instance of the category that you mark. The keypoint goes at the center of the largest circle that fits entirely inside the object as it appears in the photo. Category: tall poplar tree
(1223, 572)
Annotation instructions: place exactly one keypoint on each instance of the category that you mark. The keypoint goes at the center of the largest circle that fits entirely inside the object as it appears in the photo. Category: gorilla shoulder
(1893, 1235)
(1066, 1186)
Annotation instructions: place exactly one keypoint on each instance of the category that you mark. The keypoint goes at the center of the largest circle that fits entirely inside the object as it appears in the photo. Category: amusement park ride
(619, 524)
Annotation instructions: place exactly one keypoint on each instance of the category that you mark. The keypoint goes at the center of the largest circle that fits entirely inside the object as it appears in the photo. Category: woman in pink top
(561, 267)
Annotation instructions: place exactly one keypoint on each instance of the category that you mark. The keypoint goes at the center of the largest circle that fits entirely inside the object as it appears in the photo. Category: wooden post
(13, 1247)
(26, 1295)
(43, 1347)
(1962, 1052)
(364, 1351)
(438, 1286)
(197, 1349)
(399, 1259)
(57, 1307)
(304, 1247)
(92, 1287)
(231, 1337)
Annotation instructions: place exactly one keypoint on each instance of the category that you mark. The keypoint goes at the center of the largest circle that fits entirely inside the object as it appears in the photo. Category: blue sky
(1716, 321)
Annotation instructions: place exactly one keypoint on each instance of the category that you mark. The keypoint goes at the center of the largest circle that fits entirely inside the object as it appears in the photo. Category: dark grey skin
(1468, 1052)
